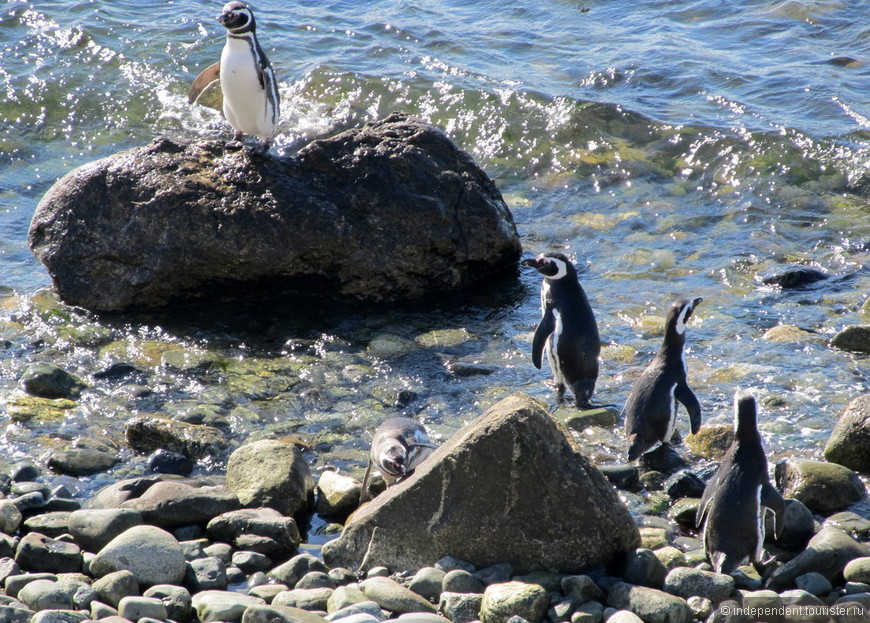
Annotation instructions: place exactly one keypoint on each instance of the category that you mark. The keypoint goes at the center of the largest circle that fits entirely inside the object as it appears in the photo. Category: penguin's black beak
(697, 301)
(535, 263)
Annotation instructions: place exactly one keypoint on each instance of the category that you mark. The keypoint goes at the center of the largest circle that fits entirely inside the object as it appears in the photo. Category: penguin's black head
(680, 313)
(745, 413)
(393, 459)
(552, 265)
(237, 17)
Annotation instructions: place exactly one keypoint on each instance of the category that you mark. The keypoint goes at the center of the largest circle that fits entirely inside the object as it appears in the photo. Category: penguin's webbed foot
(262, 149)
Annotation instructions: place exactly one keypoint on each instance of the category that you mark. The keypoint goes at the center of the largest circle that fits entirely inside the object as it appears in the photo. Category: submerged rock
(822, 487)
(390, 211)
(849, 443)
(45, 380)
(793, 276)
(148, 433)
(499, 475)
(855, 338)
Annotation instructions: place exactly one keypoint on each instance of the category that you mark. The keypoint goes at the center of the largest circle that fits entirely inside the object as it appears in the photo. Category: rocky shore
(228, 548)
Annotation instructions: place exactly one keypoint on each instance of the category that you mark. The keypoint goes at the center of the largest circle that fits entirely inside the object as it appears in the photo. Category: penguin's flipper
(364, 495)
(772, 499)
(685, 395)
(205, 78)
(542, 333)
(706, 499)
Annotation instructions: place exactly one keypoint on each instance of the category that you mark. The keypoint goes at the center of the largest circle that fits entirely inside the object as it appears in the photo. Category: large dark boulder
(849, 443)
(510, 487)
(390, 211)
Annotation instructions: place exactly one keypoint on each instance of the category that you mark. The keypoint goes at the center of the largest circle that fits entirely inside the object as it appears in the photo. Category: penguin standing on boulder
(651, 408)
(250, 91)
(739, 495)
(567, 332)
(399, 445)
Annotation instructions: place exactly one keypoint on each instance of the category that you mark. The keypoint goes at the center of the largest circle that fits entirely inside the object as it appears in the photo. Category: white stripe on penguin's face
(681, 319)
(561, 267)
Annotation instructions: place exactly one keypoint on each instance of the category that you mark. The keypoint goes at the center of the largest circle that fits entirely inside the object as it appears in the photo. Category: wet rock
(605, 417)
(468, 368)
(293, 570)
(460, 607)
(711, 441)
(93, 528)
(849, 443)
(504, 461)
(168, 462)
(176, 599)
(146, 434)
(81, 461)
(828, 552)
(651, 605)
(152, 554)
(170, 504)
(684, 484)
(37, 552)
(113, 587)
(45, 380)
(786, 333)
(793, 276)
(336, 494)
(503, 601)
(664, 459)
(461, 581)
(624, 477)
(222, 606)
(262, 530)
(686, 582)
(10, 517)
(392, 596)
(239, 220)
(855, 338)
(271, 473)
(822, 487)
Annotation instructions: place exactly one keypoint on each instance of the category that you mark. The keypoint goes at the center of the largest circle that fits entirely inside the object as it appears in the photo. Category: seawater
(672, 147)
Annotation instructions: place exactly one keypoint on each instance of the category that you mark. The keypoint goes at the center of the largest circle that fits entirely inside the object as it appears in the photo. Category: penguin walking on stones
(567, 332)
(250, 90)
(739, 495)
(652, 406)
(399, 445)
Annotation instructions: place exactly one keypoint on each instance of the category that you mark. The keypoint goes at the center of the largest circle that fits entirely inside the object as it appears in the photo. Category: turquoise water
(676, 148)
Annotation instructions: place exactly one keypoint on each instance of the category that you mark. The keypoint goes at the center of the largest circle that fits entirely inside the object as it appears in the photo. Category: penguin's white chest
(248, 105)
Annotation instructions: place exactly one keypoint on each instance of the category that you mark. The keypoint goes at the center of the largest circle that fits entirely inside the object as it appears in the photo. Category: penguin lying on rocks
(567, 332)
(399, 445)
(652, 405)
(739, 495)
(250, 91)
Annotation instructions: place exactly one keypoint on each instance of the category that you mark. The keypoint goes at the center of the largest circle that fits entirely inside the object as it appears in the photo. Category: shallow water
(675, 148)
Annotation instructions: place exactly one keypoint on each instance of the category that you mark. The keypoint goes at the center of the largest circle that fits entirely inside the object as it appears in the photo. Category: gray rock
(344, 597)
(279, 614)
(315, 579)
(224, 551)
(52, 524)
(251, 561)
(291, 572)
(135, 608)
(170, 504)
(822, 487)
(427, 583)
(346, 196)
(30, 501)
(624, 477)
(8, 567)
(271, 473)
(392, 596)
(368, 607)
(81, 461)
(858, 570)
(624, 616)
(46, 595)
(855, 338)
(145, 434)
(37, 552)
(336, 494)
(483, 466)
(311, 599)
(814, 583)
(460, 607)
(206, 574)
(262, 530)
(223, 606)
(686, 582)
(113, 587)
(10, 517)
(15, 614)
(651, 605)
(378, 572)
(152, 554)
(849, 443)
(461, 581)
(193, 549)
(47, 380)
(341, 576)
(561, 612)
(14, 583)
(828, 552)
(798, 526)
(701, 607)
(590, 612)
(495, 574)
(581, 589)
(812, 609)
(176, 599)
(450, 563)
(502, 601)
(643, 567)
(60, 616)
(850, 522)
(792, 276)
(93, 528)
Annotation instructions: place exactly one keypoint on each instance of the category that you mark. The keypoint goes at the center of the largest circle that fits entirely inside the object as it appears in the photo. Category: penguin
(567, 332)
(399, 445)
(652, 406)
(739, 495)
(250, 90)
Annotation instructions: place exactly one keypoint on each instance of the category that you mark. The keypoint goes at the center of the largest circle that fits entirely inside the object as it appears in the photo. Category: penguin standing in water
(651, 408)
(399, 445)
(567, 332)
(739, 495)
(250, 91)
